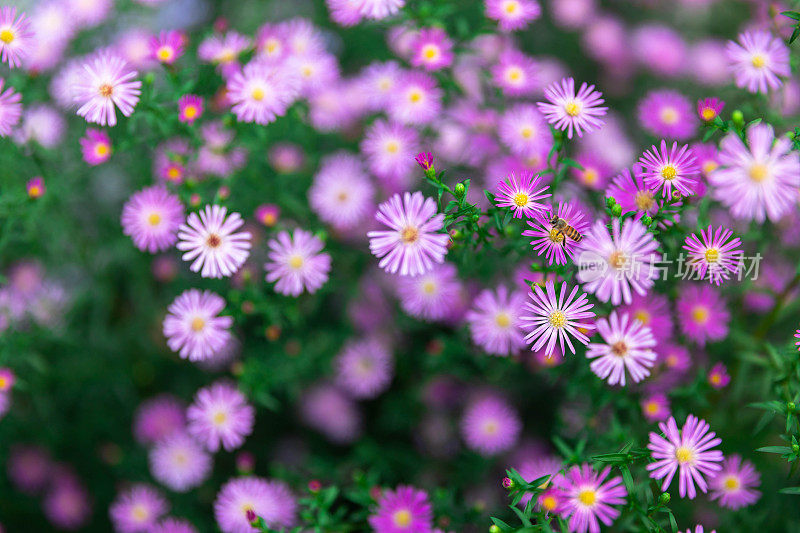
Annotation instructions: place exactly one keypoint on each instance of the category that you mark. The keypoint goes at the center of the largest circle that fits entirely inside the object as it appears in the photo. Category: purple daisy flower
(416, 100)
(549, 241)
(16, 38)
(137, 509)
(612, 265)
(107, 82)
(666, 113)
(192, 326)
(709, 108)
(364, 368)
(390, 149)
(10, 109)
(261, 93)
(586, 498)
(190, 108)
(595, 173)
(433, 295)
(210, 241)
(569, 111)
(29, 468)
(223, 50)
(297, 263)
(151, 218)
(158, 418)
(512, 15)
(715, 254)
(522, 196)
(342, 193)
(523, 130)
(432, 49)
(556, 318)
(702, 313)
(490, 426)
(757, 60)
(630, 191)
(687, 451)
(734, 486)
(628, 346)
(652, 310)
(656, 407)
(668, 169)
(168, 46)
(96, 146)
(220, 416)
(328, 410)
(403, 510)
(718, 377)
(270, 500)
(760, 182)
(179, 462)
(533, 469)
(495, 321)
(413, 244)
(514, 73)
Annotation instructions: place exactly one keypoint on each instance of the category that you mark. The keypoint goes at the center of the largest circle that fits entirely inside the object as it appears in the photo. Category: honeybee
(565, 230)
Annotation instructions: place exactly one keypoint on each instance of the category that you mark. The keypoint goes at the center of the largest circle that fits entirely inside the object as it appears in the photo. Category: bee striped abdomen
(573, 234)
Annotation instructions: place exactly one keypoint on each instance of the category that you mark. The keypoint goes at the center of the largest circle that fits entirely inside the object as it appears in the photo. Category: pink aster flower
(260, 93)
(158, 418)
(179, 462)
(666, 170)
(514, 73)
(380, 9)
(702, 314)
(655, 407)
(417, 99)
(190, 108)
(512, 15)
(718, 377)
(270, 500)
(10, 109)
(717, 254)
(556, 318)
(35, 187)
(364, 368)
(568, 111)
(549, 241)
(433, 49)
(193, 327)
(7, 379)
(523, 130)
(522, 196)
(432, 295)
(403, 510)
(495, 321)
(612, 265)
(734, 486)
(757, 60)
(223, 50)
(107, 83)
(168, 46)
(666, 113)
(587, 497)
(490, 425)
(652, 310)
(389, 149)
(595, 173)
(342, 193)
(16, 37)
(297, 263)
(630, 191)
(210, 241)
(151, 218)
(413, 244)
(96, 146)
(220, 417)
(758, 182)
(137, 509)
(709, 108)
(268, 214)
(628, 346)
(687, 451)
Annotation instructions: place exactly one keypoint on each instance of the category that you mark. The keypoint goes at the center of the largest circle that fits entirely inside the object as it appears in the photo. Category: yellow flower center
(409, 235)
(590, 176)
(154, 219)
(651, 408)
(140, 512)
(715, 379)
(642, 316)
(105, 90)
(514, 74)
(226, 56)
(758, 172)
(572, 109)
(271, 46)
(401, 518)
(502, 320)
(758, 61)
(669, 172)
(430, 52)
(296, 261)
(521, 199)
(511, 6)
(384, 84)
(415, 96)
(101, 149)
(490, 427)
(684, 455)
(731, 483)
(619, 349)
(708, 114)
(173, 173)
(429, 287)
(669, 115)
(220, 417)
(617, 259)
(392, 147)
(164, 53)
(709, 167)
(190, 111)
(7, 36)
(700, 314)
(549, 503)
(587, 497)
(257, 94)
(644, 200)
(3, 383)
(526, 132)
(198, 323)
(712, 255)
(558, 319)
(556, 236)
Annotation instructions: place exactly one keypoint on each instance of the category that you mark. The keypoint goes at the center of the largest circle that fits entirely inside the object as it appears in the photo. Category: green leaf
(791, 14)
(790, 490)
(774, 449)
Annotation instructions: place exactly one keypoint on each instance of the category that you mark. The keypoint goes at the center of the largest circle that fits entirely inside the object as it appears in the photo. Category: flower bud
(494, 529)
(508, 483)
(616, 210)
(646, 220)
(460, 190)
(738, 118)
(664, 498)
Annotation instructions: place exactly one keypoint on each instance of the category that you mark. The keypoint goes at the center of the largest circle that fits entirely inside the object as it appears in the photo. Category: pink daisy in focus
(522, 196)
(151, 218)
(666, 113)
(190, 108)
(687, 451)
(612, 265)
(192, 326)
(702, 313)
(168, 46)
(628, 347)
(551, 242)
(413, 244)
(179, 463)
(652, 310)
(342, 193)
(586, 497)
(523, 130)
(107, 82)
(655, 407)
(495, 321)
(10, 109)
(433, 49)
(734, 486)
(757, 60)
(666, 170)
(403, 510)
(556, 318)
(715, 254)
(95, 146)
(569, 111)
(210, 241)
(758, 182)
(709, 108)
(157, 418)
(16, 38)
(220, 417)
(270, 500)
(364, 368)
(512, 15)
(514, 73)
(490, 426)
(137, 509)
(718, 377)
(432, 295)
(416, 100)
(260, 93)
(297, 263)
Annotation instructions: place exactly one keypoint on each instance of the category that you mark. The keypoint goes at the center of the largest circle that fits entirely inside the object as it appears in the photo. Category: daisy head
(515, 73)
(490, 425)
(714, 253)
(404, 509)
(573, 112)
(416, 100)
(179, 462)
(108, 83)
(432, 295)
(168, 46)
(260, 93)
(512, 15)
(96, 146)
(342, 192)
(297, 263)
(10, 109)
(735, 485)
(548, 319)
(523, 130)
(553, 241)
(655, 407)
(220, 417)
(211, 241)
(495, 321)
(16, 37)
(702, 313)
(193, 327)
(151, 218)
(666, 113)
(190, 108)
(433, 49)
(667, 170)
(709, 108)
(364, 368)
(758, 61)
(587, 497)
(627, 348)
(521, 194)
